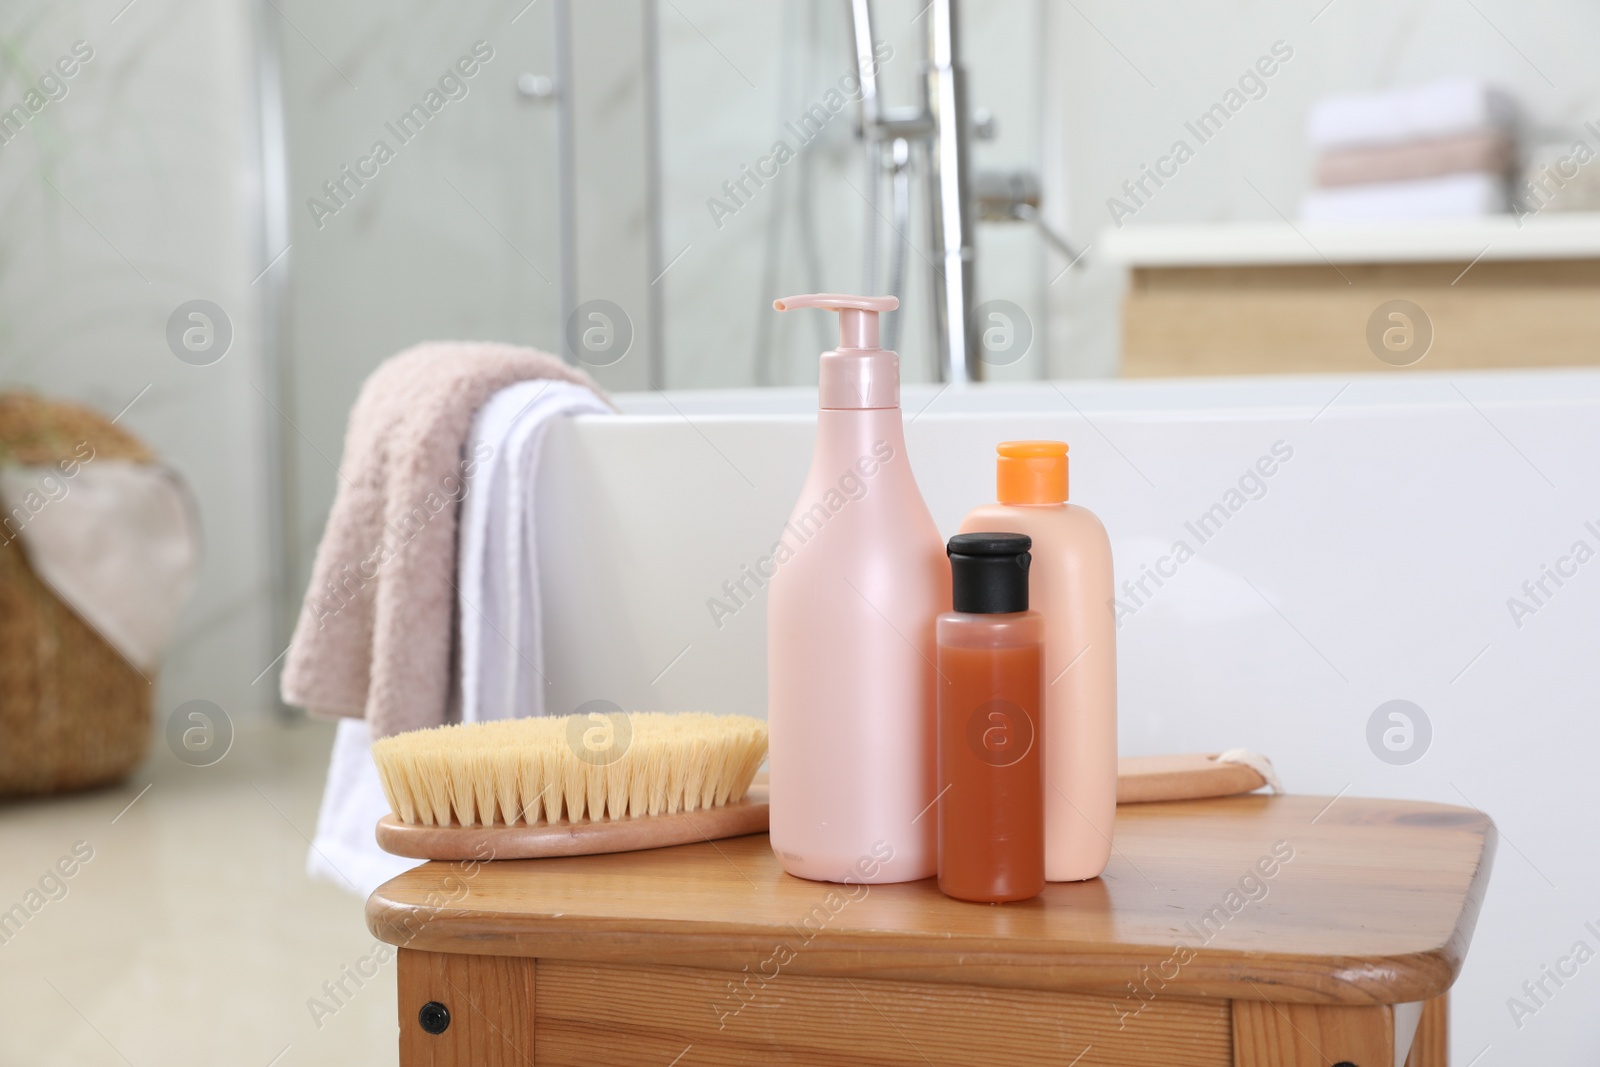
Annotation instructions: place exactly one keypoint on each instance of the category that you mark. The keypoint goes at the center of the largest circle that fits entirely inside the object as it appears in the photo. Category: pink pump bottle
(861, 575)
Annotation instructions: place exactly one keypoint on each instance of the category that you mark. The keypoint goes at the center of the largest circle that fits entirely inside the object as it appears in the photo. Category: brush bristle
(574, 769)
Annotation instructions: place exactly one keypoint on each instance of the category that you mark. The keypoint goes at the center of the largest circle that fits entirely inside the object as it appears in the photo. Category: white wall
(128, 197)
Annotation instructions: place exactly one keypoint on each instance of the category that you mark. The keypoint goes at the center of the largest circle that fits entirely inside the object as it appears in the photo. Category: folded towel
(500, 638)
(502, 642)
(1438, 109)
(375, 637)
(1488, 152)
(1453, 197)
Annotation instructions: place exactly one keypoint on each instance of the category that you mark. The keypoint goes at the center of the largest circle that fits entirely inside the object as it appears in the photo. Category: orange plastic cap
(1031, 472)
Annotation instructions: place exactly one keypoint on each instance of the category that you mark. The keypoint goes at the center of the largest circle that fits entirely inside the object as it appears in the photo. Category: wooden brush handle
(1192, 776)
(541, 840)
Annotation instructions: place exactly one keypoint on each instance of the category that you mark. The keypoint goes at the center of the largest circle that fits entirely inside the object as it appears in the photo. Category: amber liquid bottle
(990, 656)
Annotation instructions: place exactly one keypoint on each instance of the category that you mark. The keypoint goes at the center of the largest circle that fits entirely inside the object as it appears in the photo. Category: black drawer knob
(434, 1017)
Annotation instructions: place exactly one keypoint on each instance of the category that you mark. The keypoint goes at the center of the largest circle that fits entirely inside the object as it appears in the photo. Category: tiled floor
(192, 935)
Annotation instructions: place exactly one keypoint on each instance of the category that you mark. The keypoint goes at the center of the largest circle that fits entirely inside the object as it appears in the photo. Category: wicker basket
(73, 712)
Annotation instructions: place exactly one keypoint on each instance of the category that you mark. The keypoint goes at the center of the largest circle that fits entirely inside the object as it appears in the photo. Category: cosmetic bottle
(1072, 588)
(860, 576)
(991, 733)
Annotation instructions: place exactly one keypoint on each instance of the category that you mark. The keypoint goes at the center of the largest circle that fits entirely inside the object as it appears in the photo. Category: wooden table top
(1284, 898)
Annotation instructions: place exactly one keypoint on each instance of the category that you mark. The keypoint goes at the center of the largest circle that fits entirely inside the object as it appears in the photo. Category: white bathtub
(1376, 563)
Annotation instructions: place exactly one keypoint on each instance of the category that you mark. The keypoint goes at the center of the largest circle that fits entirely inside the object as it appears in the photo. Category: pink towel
(1485, 151)
(376, 637)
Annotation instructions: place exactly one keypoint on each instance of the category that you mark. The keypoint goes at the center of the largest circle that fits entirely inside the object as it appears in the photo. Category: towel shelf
(1276, 298)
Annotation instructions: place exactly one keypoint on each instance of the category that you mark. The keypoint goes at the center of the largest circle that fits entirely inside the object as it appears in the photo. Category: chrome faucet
(945, 97)
(943, 126)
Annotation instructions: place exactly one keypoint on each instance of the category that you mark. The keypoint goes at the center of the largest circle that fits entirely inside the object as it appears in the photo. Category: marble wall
(128, 192)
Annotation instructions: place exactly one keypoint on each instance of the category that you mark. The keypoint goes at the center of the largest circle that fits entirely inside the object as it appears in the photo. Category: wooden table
(1244, 931)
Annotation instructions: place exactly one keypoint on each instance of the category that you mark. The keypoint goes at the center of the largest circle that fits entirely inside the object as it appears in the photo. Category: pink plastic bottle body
(850, 662)
(850, 643)
(1070, 584)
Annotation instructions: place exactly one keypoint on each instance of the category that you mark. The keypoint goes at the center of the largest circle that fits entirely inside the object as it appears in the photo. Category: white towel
(345, 850)
(1438, 109)
(502, 643)
(502, 654)
(1455, 196)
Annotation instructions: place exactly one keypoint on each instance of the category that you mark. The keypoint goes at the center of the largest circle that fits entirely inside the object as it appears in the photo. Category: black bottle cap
(989, 572)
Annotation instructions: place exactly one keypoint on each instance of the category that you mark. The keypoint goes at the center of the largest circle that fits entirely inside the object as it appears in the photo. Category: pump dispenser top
(858, 375)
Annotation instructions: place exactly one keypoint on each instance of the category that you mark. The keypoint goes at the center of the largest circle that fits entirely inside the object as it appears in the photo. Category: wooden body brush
(573, 786)
(580, 785)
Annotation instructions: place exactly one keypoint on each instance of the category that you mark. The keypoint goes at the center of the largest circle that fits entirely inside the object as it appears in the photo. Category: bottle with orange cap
(1071, 586)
